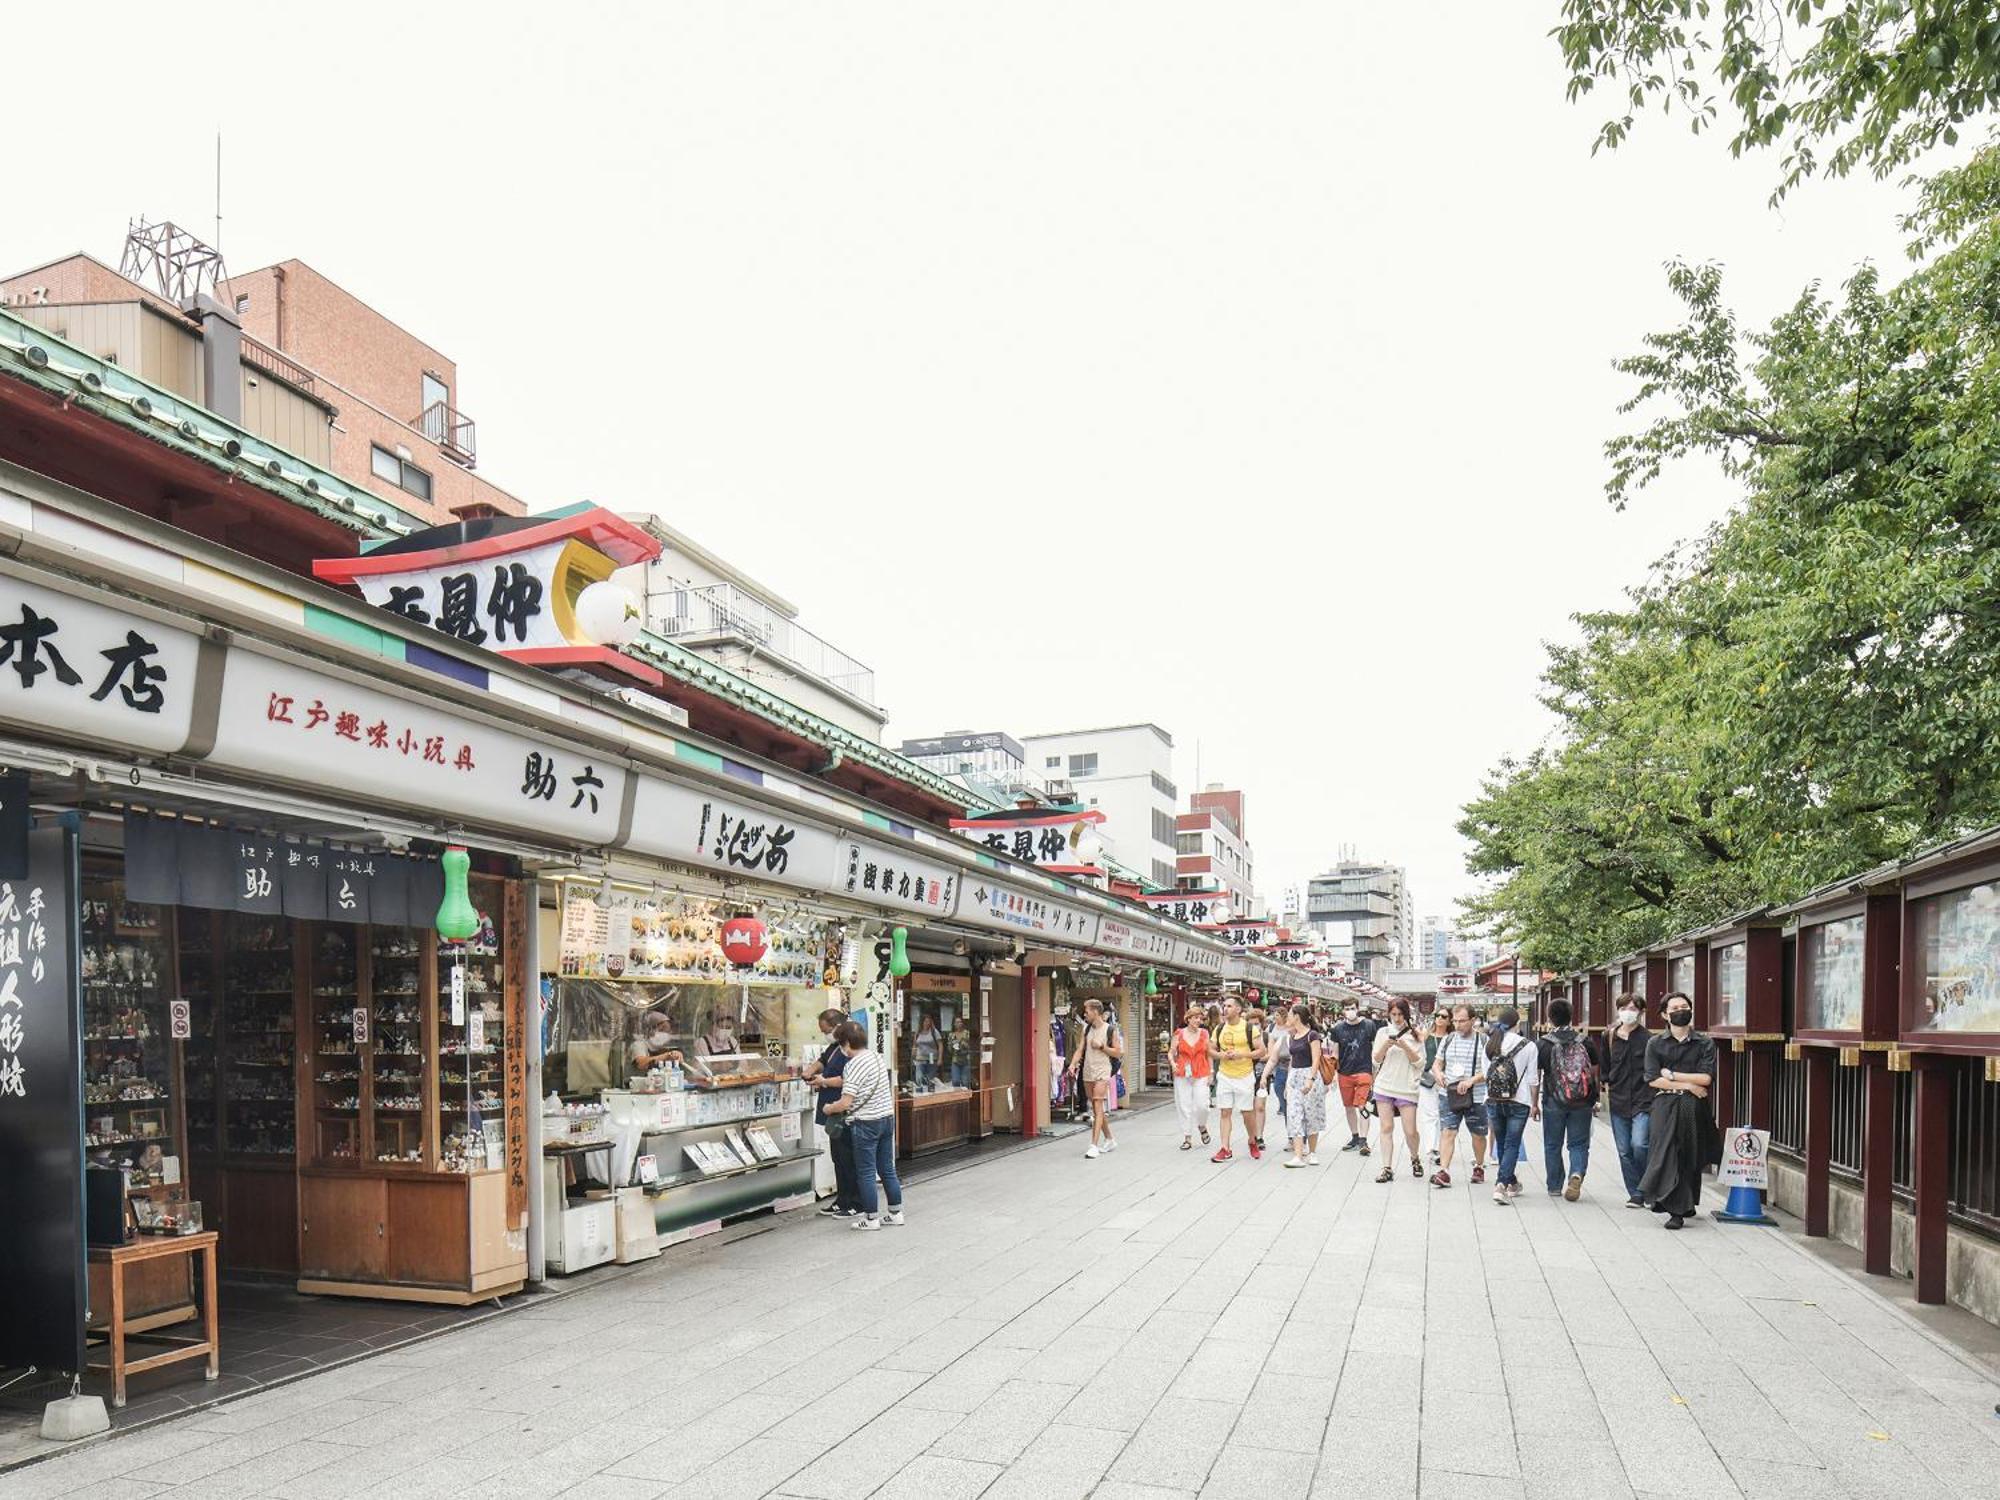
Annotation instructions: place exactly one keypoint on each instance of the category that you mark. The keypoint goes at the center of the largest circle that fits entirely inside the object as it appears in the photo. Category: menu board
(1732, 982)
(1830, 975)
(1958, 949)
(634, 938)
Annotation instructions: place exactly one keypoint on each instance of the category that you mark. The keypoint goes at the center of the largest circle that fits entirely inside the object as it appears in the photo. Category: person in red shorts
(1354, 1041)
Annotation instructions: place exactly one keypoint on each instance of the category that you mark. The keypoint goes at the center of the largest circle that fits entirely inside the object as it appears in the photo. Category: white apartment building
(1126, 773)
(698, 600)
(1212, 851)
(987, 763)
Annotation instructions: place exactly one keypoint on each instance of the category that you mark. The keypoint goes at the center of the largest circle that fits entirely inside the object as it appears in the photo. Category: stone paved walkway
(1140, 1327)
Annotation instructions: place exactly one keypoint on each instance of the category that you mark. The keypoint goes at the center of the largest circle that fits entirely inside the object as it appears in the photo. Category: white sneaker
(1294, 1161)
(1312, 1159)
(1091, 1153)
(864, 1222)
(1110, 1144)
(893, 1216)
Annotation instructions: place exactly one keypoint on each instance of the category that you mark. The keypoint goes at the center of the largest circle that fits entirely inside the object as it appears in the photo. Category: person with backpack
(1234, 1048)
(1568, 1065)
(1512, 1069)
(1092, 1066)
(1631, 1097)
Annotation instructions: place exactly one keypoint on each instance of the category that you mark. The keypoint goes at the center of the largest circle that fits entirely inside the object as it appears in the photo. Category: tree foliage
(1833, 85)
(1814, 684)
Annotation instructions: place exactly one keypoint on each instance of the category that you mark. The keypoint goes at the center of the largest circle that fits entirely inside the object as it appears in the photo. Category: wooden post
(1878, 1160)
(1932, 1147)
(1762, 1060)
(1722, 1098)
(1820, 1062)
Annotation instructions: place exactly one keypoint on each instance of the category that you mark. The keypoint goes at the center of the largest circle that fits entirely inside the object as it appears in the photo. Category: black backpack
(1503, 1075)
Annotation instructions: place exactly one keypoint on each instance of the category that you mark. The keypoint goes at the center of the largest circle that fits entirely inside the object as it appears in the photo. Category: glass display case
(394, 1054)
(338, 1052)
(127, 963)
(472, 1041)
(200, 988)
(259, 1109)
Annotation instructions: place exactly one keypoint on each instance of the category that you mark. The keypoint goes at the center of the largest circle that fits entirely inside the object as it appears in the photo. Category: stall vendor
(720, 1038)
(651, 1046)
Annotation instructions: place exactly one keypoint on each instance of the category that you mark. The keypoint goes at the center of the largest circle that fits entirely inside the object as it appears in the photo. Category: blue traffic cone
(1745, 1206)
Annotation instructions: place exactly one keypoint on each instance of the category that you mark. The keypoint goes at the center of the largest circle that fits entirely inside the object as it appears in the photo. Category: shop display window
(128, 1069)
(339, 1050)
(258, 1037)
(1957, 937)
(1730, 975)
(200, 990)
(939, 1048)
(1680, 975)
(605, 1033)
(1829, 960)
(472, 1041)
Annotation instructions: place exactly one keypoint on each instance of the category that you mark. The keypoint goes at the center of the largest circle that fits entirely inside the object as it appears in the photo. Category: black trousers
(840, 1141)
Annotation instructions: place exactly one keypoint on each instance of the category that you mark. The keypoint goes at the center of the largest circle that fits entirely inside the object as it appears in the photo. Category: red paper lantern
(1253, 996)
(743, 941)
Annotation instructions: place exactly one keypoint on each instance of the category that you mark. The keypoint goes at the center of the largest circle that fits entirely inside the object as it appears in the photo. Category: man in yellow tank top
(1236, 1048)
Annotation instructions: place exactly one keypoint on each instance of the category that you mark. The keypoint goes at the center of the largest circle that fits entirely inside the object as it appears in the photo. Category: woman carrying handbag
(1399, 1054)
(1305, 1091)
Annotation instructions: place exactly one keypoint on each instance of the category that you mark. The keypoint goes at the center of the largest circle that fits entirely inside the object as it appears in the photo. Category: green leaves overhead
(1834, 86)
(1814, 684)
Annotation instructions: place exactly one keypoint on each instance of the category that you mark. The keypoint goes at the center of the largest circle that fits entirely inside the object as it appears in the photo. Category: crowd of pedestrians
(1454, 1086)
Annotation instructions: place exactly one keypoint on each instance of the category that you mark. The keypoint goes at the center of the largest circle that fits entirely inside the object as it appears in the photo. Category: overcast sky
(1239, 367)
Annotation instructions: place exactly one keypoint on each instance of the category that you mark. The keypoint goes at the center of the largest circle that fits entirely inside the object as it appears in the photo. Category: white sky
(1238, 367)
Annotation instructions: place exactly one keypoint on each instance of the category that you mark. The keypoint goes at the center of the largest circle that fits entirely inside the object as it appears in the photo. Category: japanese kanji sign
(287, 721)
(1196, 908)
(176, 861)
(703, 828)
(74, 664)
(1140, 942)
(878, 873)
(1062, 843)
(995, 903)
(41, 1112)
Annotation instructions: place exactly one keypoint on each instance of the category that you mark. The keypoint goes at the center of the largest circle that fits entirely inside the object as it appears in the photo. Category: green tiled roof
(38, 358)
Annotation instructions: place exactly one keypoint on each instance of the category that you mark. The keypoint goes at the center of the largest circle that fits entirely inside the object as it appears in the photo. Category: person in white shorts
(1236, 1046)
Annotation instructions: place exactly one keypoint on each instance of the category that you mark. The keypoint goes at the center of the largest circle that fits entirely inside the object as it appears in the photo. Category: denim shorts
(1472, 1117)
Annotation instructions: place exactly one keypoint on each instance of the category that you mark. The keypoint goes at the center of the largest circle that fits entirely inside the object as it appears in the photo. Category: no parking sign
(1745, 1158)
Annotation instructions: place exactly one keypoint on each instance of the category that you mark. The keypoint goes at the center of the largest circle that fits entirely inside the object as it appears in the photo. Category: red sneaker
(1441, 1178)
(1223, 1155)
(1256, 1152)
(1479, 1174)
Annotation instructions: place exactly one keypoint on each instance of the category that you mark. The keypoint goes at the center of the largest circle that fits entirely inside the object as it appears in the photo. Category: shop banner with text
(41, 1112)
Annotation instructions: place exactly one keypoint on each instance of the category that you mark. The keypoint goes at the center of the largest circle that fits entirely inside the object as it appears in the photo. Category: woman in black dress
(1680, 1069)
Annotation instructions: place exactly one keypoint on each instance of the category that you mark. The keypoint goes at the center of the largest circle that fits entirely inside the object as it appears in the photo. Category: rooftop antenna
(218, 194)
(170, 261)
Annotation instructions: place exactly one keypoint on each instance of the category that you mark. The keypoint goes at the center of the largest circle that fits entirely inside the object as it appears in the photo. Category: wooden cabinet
(411, 1236)
(343, 1227)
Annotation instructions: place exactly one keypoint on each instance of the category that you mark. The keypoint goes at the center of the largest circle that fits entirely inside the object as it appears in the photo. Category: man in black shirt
(1354, 1036)
(1631, 1099)
(1680, 1070)
(827, 1074)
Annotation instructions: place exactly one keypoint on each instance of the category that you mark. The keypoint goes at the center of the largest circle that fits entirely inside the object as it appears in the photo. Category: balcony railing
(272, 363)
(721, 611)
(453, 432)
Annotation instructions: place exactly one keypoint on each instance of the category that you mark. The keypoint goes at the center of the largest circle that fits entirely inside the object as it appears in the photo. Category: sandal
(1186, 1144)
(1204, 1135)
(1387, 1174)
(1416, 1166)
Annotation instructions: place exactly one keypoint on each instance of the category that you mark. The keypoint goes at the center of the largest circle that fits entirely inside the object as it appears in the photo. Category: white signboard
(1062, 843)
(1196, 908)
(69, 664)
(284, 720)
(716, 832)
(1200, 959)
(889, 877)
(989, 903)
(1252, 935)
(504, 603)
(1746, 1158)
(1140, 942)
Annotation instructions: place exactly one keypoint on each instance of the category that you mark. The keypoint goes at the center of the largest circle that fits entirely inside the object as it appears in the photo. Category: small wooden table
(158, 1247)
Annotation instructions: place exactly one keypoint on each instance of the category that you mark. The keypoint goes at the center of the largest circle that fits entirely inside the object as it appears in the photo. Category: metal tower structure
(171, 261)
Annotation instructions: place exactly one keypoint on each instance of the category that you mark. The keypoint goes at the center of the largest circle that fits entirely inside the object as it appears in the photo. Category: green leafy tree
(1813, 685)
(1872, 83)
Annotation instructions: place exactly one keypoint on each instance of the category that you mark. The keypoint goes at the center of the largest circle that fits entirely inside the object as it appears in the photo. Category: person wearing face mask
(720, 1038)
(654, 1043)
(1354, 1041)
(1680, 1070)
(827, 1074)
(1631, 1099)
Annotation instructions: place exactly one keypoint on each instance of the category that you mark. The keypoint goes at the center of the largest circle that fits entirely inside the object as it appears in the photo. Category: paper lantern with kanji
(743, 940)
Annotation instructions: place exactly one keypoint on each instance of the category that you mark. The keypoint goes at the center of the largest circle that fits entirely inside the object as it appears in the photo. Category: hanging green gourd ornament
(1152, 982)
(456, 920)
(899, 952)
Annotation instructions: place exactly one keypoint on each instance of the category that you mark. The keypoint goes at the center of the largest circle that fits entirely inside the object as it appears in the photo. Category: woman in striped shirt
(868, 1101)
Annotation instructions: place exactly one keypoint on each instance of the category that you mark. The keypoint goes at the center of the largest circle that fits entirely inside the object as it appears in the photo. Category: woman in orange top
(1191, 1073)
